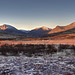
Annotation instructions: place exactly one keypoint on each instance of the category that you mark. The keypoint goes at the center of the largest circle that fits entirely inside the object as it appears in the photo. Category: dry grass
(31, 49)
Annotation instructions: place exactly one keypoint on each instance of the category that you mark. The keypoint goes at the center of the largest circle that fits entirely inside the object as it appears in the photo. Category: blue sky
(29, 14)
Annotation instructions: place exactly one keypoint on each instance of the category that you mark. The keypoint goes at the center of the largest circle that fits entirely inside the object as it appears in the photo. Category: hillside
(58, 29)
(39, 31)
(11, 30)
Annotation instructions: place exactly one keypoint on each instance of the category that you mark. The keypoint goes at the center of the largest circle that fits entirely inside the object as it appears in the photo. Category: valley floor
(63, 41)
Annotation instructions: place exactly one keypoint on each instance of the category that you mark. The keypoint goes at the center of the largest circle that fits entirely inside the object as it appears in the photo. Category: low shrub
(30, 49)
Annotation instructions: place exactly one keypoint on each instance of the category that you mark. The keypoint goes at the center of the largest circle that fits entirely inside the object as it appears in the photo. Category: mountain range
(62, 28)
(37, 32)
(10, 29)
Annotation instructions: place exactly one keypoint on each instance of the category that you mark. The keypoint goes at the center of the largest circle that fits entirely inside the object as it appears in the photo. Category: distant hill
(11, 30)
(39, 31)
(8, 31)
(68, 34)
(58, 29)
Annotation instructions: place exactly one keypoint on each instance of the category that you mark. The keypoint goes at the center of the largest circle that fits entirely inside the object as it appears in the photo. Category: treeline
(30, 49)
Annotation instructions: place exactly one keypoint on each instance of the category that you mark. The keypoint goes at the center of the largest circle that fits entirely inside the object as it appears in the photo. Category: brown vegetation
(30, 49)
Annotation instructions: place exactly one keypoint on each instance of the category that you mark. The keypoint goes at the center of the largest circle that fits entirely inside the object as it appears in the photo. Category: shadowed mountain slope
(39, 31)
(11, 30)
